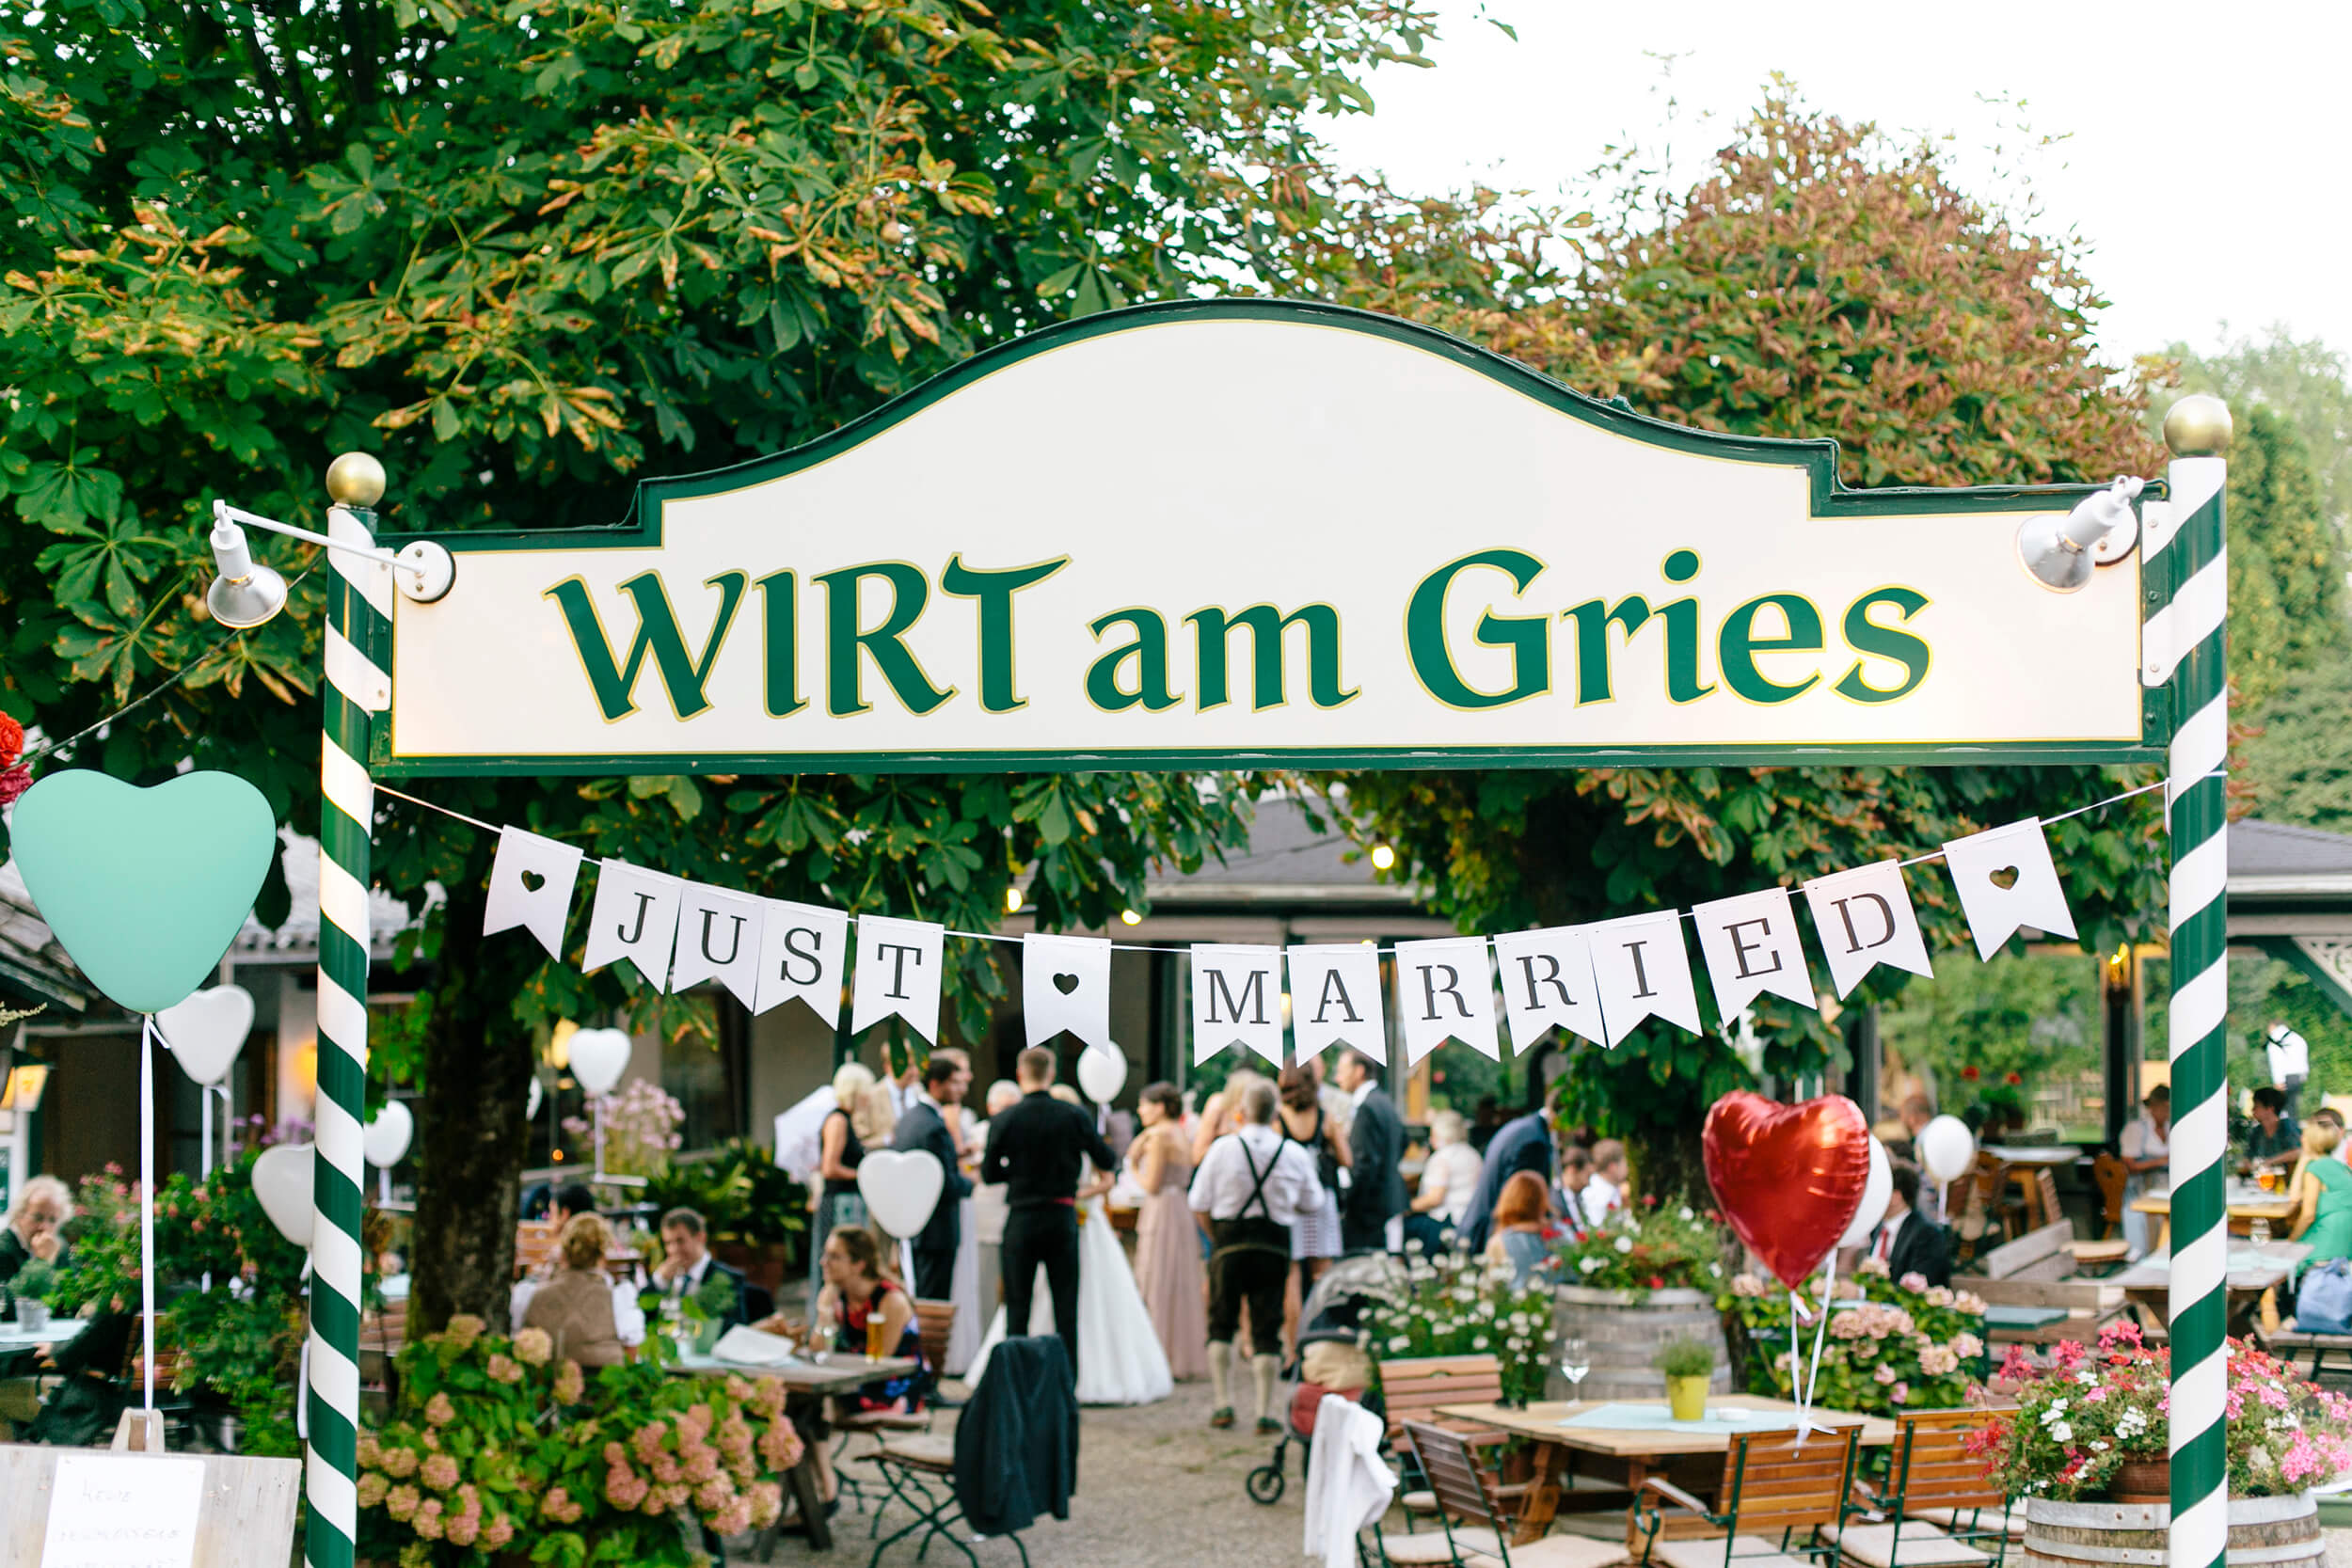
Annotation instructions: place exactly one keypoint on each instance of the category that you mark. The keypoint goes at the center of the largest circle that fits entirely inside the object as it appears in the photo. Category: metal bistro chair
(1474, 1533)
(1934, 1503)
(935, 1320)
(1774, 1485)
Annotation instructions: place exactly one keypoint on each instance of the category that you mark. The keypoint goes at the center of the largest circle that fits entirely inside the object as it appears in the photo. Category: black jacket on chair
(1920, 1247)
(1017, 1443)
(922, 1128)
(1375, 1189)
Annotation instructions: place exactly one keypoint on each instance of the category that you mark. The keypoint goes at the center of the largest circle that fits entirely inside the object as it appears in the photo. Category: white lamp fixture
(2100, 531)
(248, 594)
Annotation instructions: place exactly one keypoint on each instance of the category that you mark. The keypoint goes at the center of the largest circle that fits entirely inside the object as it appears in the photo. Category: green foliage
(1889, 1348)
(1449, 1305)
(1685, 1358)
(1673, 1247)
(33, 1281)
(738, 1190)
(2286, 561)
(2301, 379)
(2297, 758)
(2037, 1015)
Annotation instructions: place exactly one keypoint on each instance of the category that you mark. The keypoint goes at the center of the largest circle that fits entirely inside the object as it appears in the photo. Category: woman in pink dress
(1167, 1243)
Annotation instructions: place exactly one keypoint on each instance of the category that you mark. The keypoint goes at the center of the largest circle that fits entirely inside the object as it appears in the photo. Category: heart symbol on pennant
(144, 888)
(533, 881)
(1789, 1178)
(2005, 878)
(901, 1188)
(281, 1179)
(1065, 983)
(206, 1032)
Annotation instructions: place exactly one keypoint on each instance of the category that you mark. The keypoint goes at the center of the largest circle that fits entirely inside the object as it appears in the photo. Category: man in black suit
(925, 1128)
(1376, 1193)
(1034, 1149)
(1524, 1142)
(686, 1264)
(1906, 1240)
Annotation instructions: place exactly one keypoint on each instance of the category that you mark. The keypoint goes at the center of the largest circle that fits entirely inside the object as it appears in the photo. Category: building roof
(1287, 860)
(2275, 860)
(32, 964)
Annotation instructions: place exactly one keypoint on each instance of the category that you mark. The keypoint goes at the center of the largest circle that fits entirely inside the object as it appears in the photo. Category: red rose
(13, 783)
(2015, 1079)
(12, 738)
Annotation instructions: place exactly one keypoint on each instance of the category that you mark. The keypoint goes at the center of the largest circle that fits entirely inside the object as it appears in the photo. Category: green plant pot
(707, 1335)
(1686, 1397)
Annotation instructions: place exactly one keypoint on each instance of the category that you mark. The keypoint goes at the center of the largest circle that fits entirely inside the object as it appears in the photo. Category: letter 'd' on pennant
(2006, 880)
(1335, 999)
(1444, 992)
(1752, 947)
(1547, 979)
(898, 975)
(719, 933)
(530, 886)
(1863, 919)
(1065, 985)
(1644, 970)
(1236, 999)
(804, 952)
(634, 918)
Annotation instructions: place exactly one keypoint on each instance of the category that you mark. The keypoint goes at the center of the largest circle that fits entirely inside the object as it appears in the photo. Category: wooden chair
(1780, 1498)
(2108, 1175)
(2102, 1255)
(534, 1246)
(1411, 1390)
(1473, 1530)
(1933, 1503)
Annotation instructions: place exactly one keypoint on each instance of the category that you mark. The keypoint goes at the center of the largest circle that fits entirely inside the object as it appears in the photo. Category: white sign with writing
(119, 1510)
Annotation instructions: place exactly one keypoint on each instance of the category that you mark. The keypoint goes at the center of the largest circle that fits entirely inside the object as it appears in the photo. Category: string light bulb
(1383, 857)
(1013, 900)
(1128, 917)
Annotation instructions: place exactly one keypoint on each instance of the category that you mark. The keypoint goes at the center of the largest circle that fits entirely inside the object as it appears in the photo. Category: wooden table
(806, 1384)
(2246, 1202)
(2026, 1161)
(2250, 1283)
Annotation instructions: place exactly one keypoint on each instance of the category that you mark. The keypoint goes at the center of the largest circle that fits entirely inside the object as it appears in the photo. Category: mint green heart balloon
(144, 888)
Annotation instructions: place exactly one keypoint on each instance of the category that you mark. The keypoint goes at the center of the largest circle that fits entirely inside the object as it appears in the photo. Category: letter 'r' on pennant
(1752, 947)
(634, 917)
(1335, 1000)
(1445, 991)
(719, 934)
(1066, 986)
(2006, 882)
(1547, 978)
(1864, 918)
(898, 975)
(1236, 1000)
(530, 886)
(1643, 968)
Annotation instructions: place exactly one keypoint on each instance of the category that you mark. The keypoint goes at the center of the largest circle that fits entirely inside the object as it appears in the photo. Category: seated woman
(576, 1306)
(2324, 1218)
(856, 1292)
(1521, 1209)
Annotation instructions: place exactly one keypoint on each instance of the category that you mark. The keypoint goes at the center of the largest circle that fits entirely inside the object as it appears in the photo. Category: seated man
(687, 1263)
(1906, 1240)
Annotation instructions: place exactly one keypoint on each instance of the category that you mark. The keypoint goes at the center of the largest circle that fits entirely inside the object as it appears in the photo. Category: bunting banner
(803, 953)
(1547, 979)
(1752, 949)
(2006, 882)
(1235, 993)
(1445, 991)
(531, 880)
(1065, 986)
(719, 934)
(1335, 1000)
(1643, 969)
(898, 975)
(634, 917)
(1863, 919)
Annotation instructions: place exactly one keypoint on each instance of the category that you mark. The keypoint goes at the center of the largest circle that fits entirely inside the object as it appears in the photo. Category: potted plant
(1643, 1277)
(1687, 1365)
(1450, 1304)
(1890, 1345)
(31, 1288)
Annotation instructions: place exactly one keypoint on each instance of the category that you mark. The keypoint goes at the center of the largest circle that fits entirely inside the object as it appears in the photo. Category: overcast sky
(2204, 161)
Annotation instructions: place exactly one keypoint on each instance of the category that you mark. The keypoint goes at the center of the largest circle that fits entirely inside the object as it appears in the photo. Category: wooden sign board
(89, 1508)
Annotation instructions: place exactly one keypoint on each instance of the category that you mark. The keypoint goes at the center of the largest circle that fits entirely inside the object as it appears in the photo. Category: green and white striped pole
(359, 651)
(2184, 647)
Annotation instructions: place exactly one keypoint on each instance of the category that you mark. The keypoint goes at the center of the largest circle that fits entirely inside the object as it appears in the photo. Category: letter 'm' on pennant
(634, 917)
(1236, 1000)
(803, 953)
(1066, 986)
(1643, 969)
(1752, 947)
(530, 886)
(1547, 979)
(719, 936)
(1444, 992)
(1864, 918)
(1335, 999)
(2006, 880)
(898, 975)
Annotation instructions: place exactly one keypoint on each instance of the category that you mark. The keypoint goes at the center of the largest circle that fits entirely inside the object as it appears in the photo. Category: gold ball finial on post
(354, 479)
(2199, 426)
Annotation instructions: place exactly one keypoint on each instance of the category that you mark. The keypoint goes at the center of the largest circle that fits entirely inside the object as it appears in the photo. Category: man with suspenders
(1246, 1192)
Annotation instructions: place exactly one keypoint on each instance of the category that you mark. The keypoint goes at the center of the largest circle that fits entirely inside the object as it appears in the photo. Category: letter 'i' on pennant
(1752, 947)
(898, 975)
(803, 953)
(1444, 992)
(2006, 880)
(530, 886)
(1236, 999)
(1547, 978)
(1335, 999)
(1644, 970)
(635, 916)
(719, 933)
(1864, 918)
(1066, 986)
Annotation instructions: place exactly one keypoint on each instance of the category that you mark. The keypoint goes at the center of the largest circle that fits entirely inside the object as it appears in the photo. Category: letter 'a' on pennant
(719, 933)
(1644, 970)
(530, 886)
(635, 916)
(1864, 918)
(1335, 1000)
(2006, 882)
(1547, 978)
(803, 953)
(1752, 947)
(898, 975)
(1444, 992)
(1236, 1000)
(1066, 986)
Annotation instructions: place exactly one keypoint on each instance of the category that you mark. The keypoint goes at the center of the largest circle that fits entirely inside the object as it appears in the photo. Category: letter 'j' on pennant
(803, 953)
(1066, 986)
(719, 933)
(1236, 1000)
(2006, 882)
(1335, 999)
(1644, 970)
(898, 975)
(634, 917)
(1752, 947)
(1445, 991)
(1863, 919)
(1547, 978)
(530, 886)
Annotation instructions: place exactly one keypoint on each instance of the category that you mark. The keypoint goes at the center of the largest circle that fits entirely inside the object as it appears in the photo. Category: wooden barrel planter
(1624, 1329)
(2265, 1532)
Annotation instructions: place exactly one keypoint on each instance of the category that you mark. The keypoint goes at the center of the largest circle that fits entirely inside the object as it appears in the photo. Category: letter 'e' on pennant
(1864, 918)
(803, 953)
(719, 933)
(1445, 991)
(898, 975)
(530, 886)
(1752, 947)
(1644, 970)
(1335, 999)
(1547, 978)
(1236, 999)
(2006, 882)
(1065, 985)
(635, 916)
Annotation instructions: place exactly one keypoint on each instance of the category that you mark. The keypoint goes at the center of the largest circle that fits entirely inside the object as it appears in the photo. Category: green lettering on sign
(845, 675)
(1214, 629)
(1528, 637)
(1865, 635)
(1736, 646)
(683, 676)
(779, 686)
(1149, 653)
(994, 590)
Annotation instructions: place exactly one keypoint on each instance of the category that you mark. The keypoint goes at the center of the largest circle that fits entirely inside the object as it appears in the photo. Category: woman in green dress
(2323, 1222)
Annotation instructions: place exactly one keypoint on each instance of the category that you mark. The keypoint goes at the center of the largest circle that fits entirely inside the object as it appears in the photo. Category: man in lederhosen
(1244, 1195)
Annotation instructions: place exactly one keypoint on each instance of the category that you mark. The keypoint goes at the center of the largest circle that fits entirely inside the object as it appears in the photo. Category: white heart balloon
(598, 1057)
(901, 1188)
(1947, 1148)
(281, 1179)
(1102, 1073)
(386, 1139)
(1875, 1193)
(530, 1101)
(206, 1032)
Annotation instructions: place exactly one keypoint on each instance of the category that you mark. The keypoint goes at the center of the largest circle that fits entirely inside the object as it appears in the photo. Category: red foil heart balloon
(1788, 1177)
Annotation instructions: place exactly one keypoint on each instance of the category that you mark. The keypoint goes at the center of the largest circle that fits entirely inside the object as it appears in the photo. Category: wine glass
(820, 1333)
(2258, 1233)
(1576, 1360)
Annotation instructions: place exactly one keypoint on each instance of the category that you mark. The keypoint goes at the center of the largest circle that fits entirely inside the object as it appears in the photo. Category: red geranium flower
(1970, 1073)
(13, 783)
(2015, 1079)
(1656, 1283)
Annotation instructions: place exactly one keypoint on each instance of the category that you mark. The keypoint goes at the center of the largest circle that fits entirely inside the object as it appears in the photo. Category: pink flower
(440, 1472)
(372, 1486)
(623, 1488)
(646, 1441)
(463, 1330)
(503, 1369)
(428, 1520)
(571, 1384)
(533, 1346)
(1916, 1282)
(498, 1532)
(766, 1500)
(463, 1529)
(780, 1445)
(399, 1462)
(558, 1505)
(371, 1454)
(438, 1411)
(1884, 1373)
(401, 1502)
(714, 1495)
(1900, 1393)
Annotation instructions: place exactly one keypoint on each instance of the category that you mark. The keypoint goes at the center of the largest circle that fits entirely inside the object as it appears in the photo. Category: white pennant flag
(719, 933)
(635, 917)
(1235, 999)
(898, 975)
(1644, 970)
(1444, 990)
(803, 949)
(1065, 985)
(1335, 999)
(1547, 979)
(531, 885)
(1864, 918)
(2006, 880)
(1752, 947)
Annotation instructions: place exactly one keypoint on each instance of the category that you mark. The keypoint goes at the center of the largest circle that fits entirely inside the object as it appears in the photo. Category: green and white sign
(1257, 532)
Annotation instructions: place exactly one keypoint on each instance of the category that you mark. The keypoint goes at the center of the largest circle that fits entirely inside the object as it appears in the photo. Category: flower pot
(2276, 1533)
(32, 1317)
(2142, 1480)
(1686, 1397)
(1625, 1330)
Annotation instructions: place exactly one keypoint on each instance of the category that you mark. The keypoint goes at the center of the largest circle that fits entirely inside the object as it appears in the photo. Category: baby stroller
(1330, 1315)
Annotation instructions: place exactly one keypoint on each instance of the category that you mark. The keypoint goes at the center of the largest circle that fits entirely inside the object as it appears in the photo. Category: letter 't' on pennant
(1065, 985)
(719, 934)
(530, 886)
(1863, 919)
(2006, 880)
(1753, 947)
(898, 975)
(1236, 999)
(803, 953)
(634, 917)
(1444, 992)
(1335, 1000)
(1547, 978)
(1642, 970)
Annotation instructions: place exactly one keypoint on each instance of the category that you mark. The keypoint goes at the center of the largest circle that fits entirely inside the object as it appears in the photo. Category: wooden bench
(2038, 1269)
(2286, 1340)
(2099, 1255)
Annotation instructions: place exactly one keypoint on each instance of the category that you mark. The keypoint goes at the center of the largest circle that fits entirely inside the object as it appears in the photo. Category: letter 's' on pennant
(898, 975)
(803, 953)
(1752, 947)
(1335, 999)
(634, 918)
(1644, 970)
(719, 933)
(1236, 1000)
(530, 886)
(2006, 882)
(1444, 992)
(1864, 918)
(1547, 978)
(1065, 985)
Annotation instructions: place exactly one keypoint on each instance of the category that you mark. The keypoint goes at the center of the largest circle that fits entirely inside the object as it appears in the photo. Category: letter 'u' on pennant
(1444, 992)
(1236, 999)
(1864, 918)
(898, 975)
(530, 886)
(804, 952)
(634, 917)
(1065, 985)
(1548, 978)
(1335, 1000)
(1753, 947)
(2006, 880)
(1644, 970)
(719, 933)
